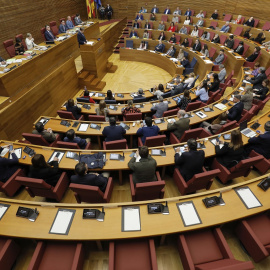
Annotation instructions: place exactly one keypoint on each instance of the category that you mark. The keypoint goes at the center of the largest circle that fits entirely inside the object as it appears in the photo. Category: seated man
(222, 73)
(8, 166)
(69, 23)
(73, 108)
(81, 37)
(133, 34)
(140, 94)
(161, 26)
(145, 169)
(214, 16)
(147, 25)
(219, 58)
(160, 47)
(62, 27)
(154, 9)
(148, 131)
(229, 43)
(177, 11)
(82, 177)
(113, 132)
(188, 12)
(189, 162)
(225, 28)
(160, 108)
(130, 108)
(2, 61)
(183, 30)
(78, 20)
(136, 24)
(47, 134)
(234, 113)
(139, 17)
(171, 51)
(167, 10)
(70, 137)
(180, 126)
(240, 48)
(49, 36)
(257, 80)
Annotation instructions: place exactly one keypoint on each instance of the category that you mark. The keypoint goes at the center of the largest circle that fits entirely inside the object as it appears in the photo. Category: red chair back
(150, 34)
(170, 112)
(236, 43)
(178, 38)
(190, 40)
(35, 139)
(192, 12)
(204, 14)
(193, 106)
(10, 48)
(164, 18)
(246, 47)
(244, 166)
(214, 24)
(54, 27)
(194, 133)
(114, 145)
(256, 22)
(228, 126)
(212, 98)
(212, 34)
(266, 26)
(67, 145)
(72, 18)
(227, 17)
(20, 36)
(133, 116)
(238, 31)
(66, 115)
(149, 190)
(151, 25)
(243, 19)
(267, 72)
(42, 31)
(200, 32)
(212, 52)
(98, 118)
(62, 19)
(229, 77)
(222, 39)
(225, 58)
(155, 140)
(188, 29)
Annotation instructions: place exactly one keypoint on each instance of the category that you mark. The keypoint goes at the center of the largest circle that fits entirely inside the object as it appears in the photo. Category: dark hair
(266, 81)
(221, 50)
(143, 152)
(80, 169)
(148, 121)
(196, 27)
(18, 40)
(267, 126)
(112, 121)
(86, 93)
(192, 144)
(39, 127)
(161, 87)
(231, 36)
(70, 102)
(215, 76)
(77, 14)
(109, 94)
(241, 42)
(205, 47)
(38, 161)
(260, 35)
(204, 85)
(187, 94)
(70, 134)
(257, 48)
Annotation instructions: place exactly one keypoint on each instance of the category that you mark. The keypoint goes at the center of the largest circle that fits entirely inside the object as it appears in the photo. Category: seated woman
(187, 20)
(214, 85)
(130, 108)
(201, 92)
(254, 55)
(40, 169)
(195, 31)
(205, 51)
(159, 91)
(145, 34)
(180, 55)
(185, 43)
(102, 110)
(72, 107)
(161, 36)
(109, 95)
(247, 34)
(260, 38)
(216, 39)
(19, 48)
(152, 17)
(171, 28)
(172, 39)
(184, 101)
(231, 153)
(250, 22)
(247, 98)
(205, 36)
(255, 71)
(200, 14)
(8, 166)
(200, 22)
(86, 95)
(262, 92)
(143, 45)
(216, 124)
(239, 19)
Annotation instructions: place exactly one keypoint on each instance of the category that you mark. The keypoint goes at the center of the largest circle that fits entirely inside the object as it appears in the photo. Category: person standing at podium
(109, 11)
(81, 37)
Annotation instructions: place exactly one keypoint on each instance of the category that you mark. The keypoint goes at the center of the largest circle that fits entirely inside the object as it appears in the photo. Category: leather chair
(252, 64)
(96, 118)
(178, 38)
(92, 194)
(236, 43)
(227, 17)
(133, 117)
(11, 186)
(129, 44)
(262, 166)
(199, 181)
(39, 140)
(208, 249)
(9, 252)
(133, 254)
(229, 77)
(212, 34)
(238, 31)
(20, 36)
(72, 18)
(10, 48)
(228, 126)
(115, 145)
(194, 133)
(164, 18)
(42, 31)
(222, 39)
(194, 106)
(83, 99)
(200, 34)
(57, 255)
(213, 24)
(190, 40)
(54, 28)
(212, 52)
(188, 29)
(254, 234)
(266, 26)
(256, 22)
(213, 97)
(139, 100)
(170, 113)
(70, 145)
(110, 101)
(147, 191)
(38, 187)
(191, 68)
(153, 141)
(68, 115)
(243, 168)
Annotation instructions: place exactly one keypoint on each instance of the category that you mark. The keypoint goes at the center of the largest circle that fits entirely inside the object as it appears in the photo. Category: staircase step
(119, 45)
(83, 74)
(113, 69)
(95, 82)
(100, 86)
(116, 51)
(89, 78)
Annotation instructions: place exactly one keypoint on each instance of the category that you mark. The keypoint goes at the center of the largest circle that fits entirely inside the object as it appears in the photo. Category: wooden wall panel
(23, 16)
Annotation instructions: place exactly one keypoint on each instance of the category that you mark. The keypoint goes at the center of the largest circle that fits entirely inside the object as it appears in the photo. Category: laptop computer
(245, 130)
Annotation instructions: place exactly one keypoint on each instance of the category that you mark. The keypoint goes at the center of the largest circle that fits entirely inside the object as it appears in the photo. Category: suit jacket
(179, 127)
(81, 38)
(239, 50)
(81, 142)
(214, 86)
(49, 174)
(197, 47)
(187, 13)
(62, 29)
(162, 38)
(229, 43)
(225, 28)
(257, 81)
(167, 11)
(160, 108)
(185, 63)
(76, 111)
(144, 170)
(49, 137)
(1, 59)
(261, 144)
(172, 40)
(222, 75)
(154, 10)
(227, 156)
(139, 17)
(262, 93)
(170, 52)
(49, 35)
(219, 59)
(252, 57)
(134, 34)
(235, 111)
(147, 26)
(147, 132)
(189, 163)
(183, 31)
(8, 166)
(77, 21)
(90, 179)
(113, 133)
(160, 48)
(69, 24)
(216, 40)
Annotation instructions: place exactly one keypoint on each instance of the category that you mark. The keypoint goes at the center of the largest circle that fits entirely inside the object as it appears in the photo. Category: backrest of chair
(9, 46)
(176, 27)
(193, 62)
(129, 44)
(212, 52)
(150, 34)
(266, 26)
(204, 14)
(243, 19)
(149, 190)
(238, 31)
(98, 118)
(188, 29)
(114, 145)
(190, 40)
(225, 58)
(193, 106)
(83, 99)
(72, 18)
(228, 126)
(170, 112)
(62, 19)
(164, 18)
(66, 115)
(151, 25)
(20, 36)
(178, 38)
(110, 101)
(229, 77)
(191, 19)
(155, 140)
(54, 27)
(35, 139)
(186, 54)
(67, 145)
(256, 22)
(133, 116)
(227, 17)
(212, 98)
(200, 33)
(236, 43)
(214, 24)
(191, 133)
(222, 39)
(89, 194)
(212, 34)
(192, 12)
(245, 164)
(139, 100)
(267, 72)
(42, 31)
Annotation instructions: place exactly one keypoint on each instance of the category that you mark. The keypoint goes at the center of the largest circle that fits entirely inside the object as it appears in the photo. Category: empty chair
(139, 253)
(133, 116)
(193, 106)
(213, 24)
(246, 47)
(42, 31)
(92, 194)
(266, 26)
(228, 78)
(148, 190)
(188, 29)
(164, 18)
(200, 33)
(192, 12)
(10, 48)
(199, 181)
(9, 251)
(238, 31)
(20, 36)
(191, 68)
(228, 126)
(222, 39)
(114, 145)
(212, 97)
(208, 249)
(262, 166)
(57, 255)
(236, 43)
(227, 17)
(178, 38)
(71, 145)
(68, 115)
(39, 140)
(256, 22)
(38, 187)
(212, 52)
(139, 100)
(190, 40)
(194, 133)
(170, 113)
(153, 141)
(129, 44)
(243, 168)
(98, 118)
(72, 18)
(212, 34)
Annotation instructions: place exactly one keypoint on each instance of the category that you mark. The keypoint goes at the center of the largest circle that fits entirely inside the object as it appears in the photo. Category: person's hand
(227, 112)
(12, 151)
(177, 150)
(49, 130)
(55, 159)
(137, 153)
(142, 125)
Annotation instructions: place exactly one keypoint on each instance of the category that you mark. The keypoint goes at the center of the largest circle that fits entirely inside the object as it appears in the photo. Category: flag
(89, 11)
(93, 8)
(98, 3)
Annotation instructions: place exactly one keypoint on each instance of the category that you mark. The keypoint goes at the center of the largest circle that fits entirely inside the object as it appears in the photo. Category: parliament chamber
(218, 219)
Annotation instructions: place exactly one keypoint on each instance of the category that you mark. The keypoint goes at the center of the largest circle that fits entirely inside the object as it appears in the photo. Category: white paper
(18, 153)
(189, 214)
(61, 222)
(4, 151)
(152, 51)
(60, 38)
(61, 154)
(248, 197)
(90, 42)
(155, 152)
(18, 61)
(201, 114)
(171, 120)
(83, 127)
(132, 219)
(114, 156)
(238, 57)
(91, 94)
(208, 61)
(220, 106)
(3, 210)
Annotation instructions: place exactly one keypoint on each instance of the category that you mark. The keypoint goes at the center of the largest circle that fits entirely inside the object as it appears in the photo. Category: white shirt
(30, 43)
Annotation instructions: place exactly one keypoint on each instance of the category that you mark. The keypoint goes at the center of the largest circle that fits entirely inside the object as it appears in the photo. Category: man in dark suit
(81, 37)
(82, 177)
(197, 46)
(160, 47)
(234, 113)
(133, 34)
(154, 9)
(48, 34)
(171, 51)
(185, 63)
(257, 80)
(229, 43)
(188, 12)
(109, 11)
(240, 48)
(113, 132)
(190, 162)
(47, 134)
(167, 10)
(62, 27)
(147, 25)
(8, 166)
(261, 144)
(139, 17)
(143, 166)
(70, 137)
(72, 107)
